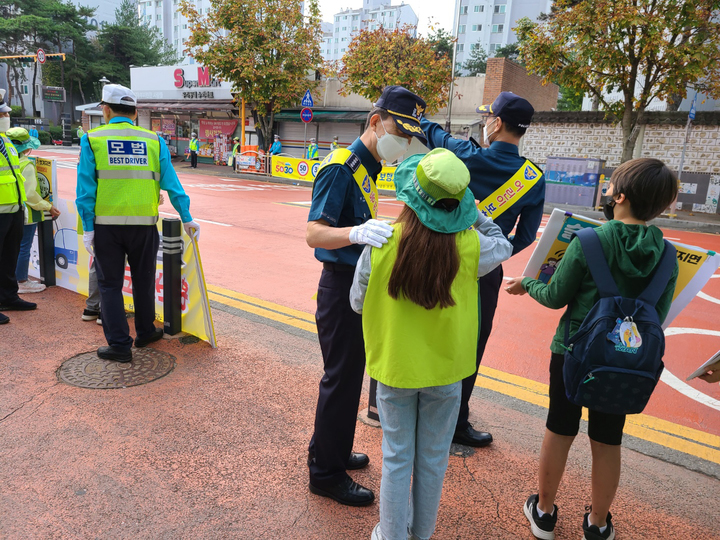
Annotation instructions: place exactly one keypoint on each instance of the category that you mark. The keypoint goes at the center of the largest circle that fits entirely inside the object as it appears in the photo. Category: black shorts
(564, 417)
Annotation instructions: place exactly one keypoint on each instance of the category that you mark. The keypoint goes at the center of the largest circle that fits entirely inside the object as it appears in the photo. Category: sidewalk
(217, 448)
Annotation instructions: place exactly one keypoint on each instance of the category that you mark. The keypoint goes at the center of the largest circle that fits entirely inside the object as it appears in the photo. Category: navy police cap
(406, 109)
(510, 108)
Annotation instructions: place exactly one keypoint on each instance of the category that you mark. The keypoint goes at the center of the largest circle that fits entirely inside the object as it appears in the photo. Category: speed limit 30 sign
(41, 56)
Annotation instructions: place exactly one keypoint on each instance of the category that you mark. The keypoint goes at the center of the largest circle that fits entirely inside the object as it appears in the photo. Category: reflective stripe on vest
(127, 168)
(367, 186)
(32, 215)
(12, 189)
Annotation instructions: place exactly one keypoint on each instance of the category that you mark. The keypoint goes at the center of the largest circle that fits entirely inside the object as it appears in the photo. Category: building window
(354, 28)
(500, 9)
(184, 26)
(474, 46)
(461, 29)
(344, 39)
(479, 9)
(463, 10)
(337, 30)
(344, 28)
(25, 89)
(493, 47)
(477, 27)
(354, 17)
(336, 40)
(337, 19)
(159, 17)
(175, 29)
(175, 16)
(345, 18)
(390, 25)
(392, 13)
(336, 51)
(342, 50)
(461, 47)
(497, 28)
(158, 3)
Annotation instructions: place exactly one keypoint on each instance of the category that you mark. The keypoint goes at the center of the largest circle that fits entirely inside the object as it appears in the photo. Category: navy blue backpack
(614, 361)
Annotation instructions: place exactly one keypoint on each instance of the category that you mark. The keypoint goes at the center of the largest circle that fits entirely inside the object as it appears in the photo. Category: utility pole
(454, 60)
(688, 129)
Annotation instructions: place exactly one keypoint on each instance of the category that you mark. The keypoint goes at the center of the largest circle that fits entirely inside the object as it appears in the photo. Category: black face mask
(608, 208)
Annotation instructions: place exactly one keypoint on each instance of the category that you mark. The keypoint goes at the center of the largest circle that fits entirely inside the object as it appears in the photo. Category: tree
(643, 49)
(570, 100)
(442, 43)
(477, 62)
(382, 57)
(266, 48)
(511, 52)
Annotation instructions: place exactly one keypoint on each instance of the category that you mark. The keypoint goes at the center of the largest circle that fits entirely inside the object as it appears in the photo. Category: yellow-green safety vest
(12, 188)
(408, 346)
(33, 216)
(194, 145)
(127, 168)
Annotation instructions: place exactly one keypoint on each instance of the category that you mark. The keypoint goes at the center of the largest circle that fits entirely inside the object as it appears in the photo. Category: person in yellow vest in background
(121, 171)
(418, 299)
(194, 149)
(235, 152)
(342, 219)
(12, 202)
(35, 206)
(312, 151)
(334, 145)
(80, 132)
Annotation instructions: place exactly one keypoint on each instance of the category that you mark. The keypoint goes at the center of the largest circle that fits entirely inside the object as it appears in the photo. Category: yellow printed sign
(307, 169)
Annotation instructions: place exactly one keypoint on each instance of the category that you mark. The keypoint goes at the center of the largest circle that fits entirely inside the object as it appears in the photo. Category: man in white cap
(12, 200)
(121, 171)
(276, 147)
(312, 151)
(194, 149)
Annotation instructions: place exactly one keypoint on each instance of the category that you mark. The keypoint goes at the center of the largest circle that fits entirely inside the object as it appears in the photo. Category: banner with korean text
(306, 169)
(696, 265)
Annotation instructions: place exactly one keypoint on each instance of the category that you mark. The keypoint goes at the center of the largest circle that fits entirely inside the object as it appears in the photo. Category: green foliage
(56, 132)
(570, 100)
(45, 137)
(384, 57)
(641, 49)
(17, 111)
(511, 52)
(477, 62)
(442, 43)
(268, 53)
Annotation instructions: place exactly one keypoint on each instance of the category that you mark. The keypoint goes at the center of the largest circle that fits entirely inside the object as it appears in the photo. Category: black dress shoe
(347, 492)
(4, 319)
(472, 437)
(357, 461)
(145, 341)
(18, 305)
(117, 355)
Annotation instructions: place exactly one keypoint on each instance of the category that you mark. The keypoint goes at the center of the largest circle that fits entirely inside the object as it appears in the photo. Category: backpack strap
(597, 263)
(663, 271)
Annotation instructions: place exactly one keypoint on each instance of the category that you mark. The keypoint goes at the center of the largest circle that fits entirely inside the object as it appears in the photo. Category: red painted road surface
(253, 242)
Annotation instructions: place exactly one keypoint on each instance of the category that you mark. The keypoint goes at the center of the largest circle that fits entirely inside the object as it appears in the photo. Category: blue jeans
(418, 426)
(21, 271)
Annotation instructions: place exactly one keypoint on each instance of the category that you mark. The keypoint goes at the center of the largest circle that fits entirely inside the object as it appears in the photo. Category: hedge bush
(45, 137)
(56, 132)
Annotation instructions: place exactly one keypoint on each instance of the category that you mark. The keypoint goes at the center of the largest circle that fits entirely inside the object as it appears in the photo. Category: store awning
(199, 106)
(293, 115)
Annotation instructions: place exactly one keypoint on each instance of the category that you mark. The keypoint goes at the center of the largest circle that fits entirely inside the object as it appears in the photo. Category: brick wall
(502, 75)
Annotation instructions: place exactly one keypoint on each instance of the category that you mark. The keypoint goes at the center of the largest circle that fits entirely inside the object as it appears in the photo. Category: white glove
(89, 241)
(373, 232)
(192, 229)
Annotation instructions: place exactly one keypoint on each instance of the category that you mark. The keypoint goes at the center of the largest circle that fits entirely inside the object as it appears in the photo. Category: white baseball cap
(117, 94)
(3, 106)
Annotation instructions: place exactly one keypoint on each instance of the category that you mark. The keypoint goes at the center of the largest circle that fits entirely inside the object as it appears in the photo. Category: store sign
(168, 126)
(204, 80)
(210, 128)
(198, 95)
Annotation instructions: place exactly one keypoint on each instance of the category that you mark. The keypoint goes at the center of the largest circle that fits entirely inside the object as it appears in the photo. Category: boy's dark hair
(514, 130)
(376, 110)
(648, 185)
(124, 110)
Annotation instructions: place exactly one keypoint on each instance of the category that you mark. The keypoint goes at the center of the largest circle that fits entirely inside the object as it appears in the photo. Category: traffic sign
(307, 100)
(41, 56)
(306, 115)
(691, 116)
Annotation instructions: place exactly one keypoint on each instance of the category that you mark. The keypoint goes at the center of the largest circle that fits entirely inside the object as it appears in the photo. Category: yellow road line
(668, 434)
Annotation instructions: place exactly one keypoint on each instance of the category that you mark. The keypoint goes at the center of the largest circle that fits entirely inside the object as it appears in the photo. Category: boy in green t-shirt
(640, 190)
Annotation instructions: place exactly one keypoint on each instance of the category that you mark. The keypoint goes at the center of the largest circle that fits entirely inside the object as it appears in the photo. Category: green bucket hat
(22, 140)
(421, 181)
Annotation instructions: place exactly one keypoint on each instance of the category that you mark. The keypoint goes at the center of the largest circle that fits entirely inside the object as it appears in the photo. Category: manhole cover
(86, 370)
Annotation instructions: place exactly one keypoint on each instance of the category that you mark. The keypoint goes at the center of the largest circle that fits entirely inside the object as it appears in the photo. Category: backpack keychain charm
(625, 335)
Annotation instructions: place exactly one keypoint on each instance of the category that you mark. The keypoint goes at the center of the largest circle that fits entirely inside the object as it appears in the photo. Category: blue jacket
(489, 169)
(276, 148)
(86, 189)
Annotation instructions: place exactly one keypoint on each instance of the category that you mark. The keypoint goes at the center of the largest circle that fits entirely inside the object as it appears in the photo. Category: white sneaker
(376, 534)
(29, 287)
(99, 321)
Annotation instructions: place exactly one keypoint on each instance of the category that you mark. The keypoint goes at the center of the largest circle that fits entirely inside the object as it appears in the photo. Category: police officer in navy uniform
(341, 221)
(507, 119)
(121, 170)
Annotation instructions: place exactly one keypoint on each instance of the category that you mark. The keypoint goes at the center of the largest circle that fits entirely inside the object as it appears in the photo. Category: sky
(424, 9)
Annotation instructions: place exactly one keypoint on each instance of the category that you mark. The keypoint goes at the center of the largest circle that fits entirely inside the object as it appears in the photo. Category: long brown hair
(426, 264)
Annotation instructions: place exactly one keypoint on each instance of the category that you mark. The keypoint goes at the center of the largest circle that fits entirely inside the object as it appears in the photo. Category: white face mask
(4, 124)
(391, 147)
(486, 135)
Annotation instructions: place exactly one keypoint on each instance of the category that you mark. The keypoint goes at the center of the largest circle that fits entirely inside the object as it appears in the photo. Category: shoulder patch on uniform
(353, 161)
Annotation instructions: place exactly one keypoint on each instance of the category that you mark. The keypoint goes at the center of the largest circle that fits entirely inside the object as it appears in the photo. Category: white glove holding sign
(373, 232)
(192, 229)
(89, 241)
